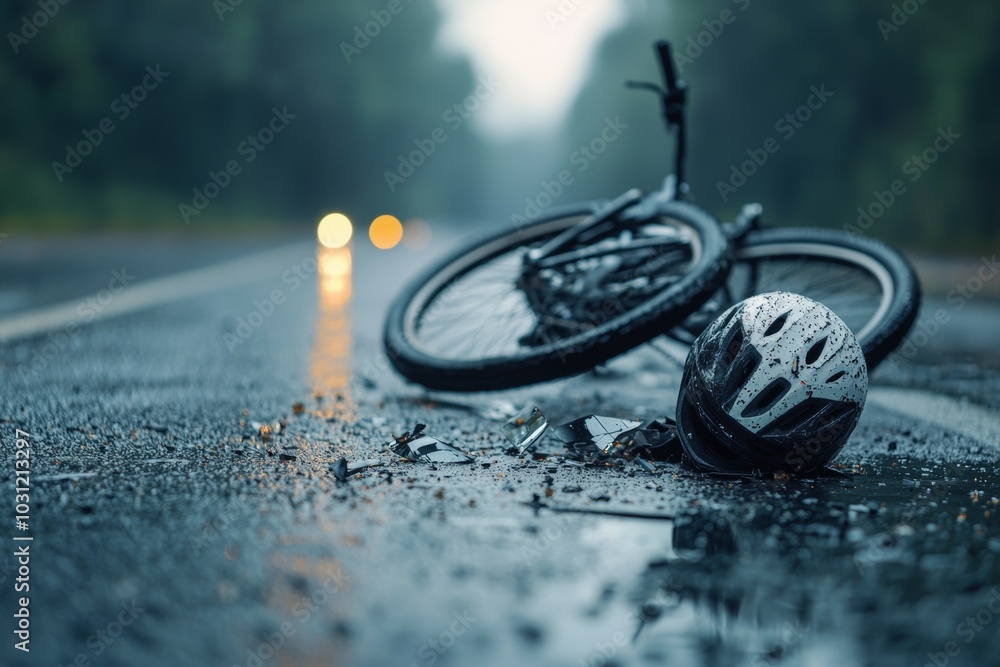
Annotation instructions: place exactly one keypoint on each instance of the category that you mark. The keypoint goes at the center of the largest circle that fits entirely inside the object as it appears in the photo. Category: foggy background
(361, 86)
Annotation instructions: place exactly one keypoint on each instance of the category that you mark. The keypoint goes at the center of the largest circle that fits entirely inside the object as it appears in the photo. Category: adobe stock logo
(786, 126)
(432, 650)
(455, 116)
(31, 25)
(899, 17)
(363, 35)
(967, 630)
(122, 107)
(248, 149)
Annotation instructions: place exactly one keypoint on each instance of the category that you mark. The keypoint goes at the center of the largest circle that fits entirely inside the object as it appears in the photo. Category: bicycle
(587, 282)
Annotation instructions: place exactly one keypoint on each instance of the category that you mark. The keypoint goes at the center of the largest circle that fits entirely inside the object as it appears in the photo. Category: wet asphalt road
(164, 534)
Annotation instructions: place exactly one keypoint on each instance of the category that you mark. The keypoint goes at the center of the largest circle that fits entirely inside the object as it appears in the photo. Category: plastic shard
(364, 464)
(525, 428)
(594, 431)
(656, 440)
(343, 469)
(418, 446)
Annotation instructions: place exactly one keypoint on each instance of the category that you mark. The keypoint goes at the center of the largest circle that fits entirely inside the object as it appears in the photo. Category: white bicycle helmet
(776, 383)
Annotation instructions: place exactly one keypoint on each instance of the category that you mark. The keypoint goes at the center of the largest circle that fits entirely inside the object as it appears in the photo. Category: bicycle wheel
(474, 322)
(867, 283)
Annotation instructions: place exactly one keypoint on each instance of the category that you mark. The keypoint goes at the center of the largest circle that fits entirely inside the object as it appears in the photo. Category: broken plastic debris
(342, 469)
(656, 440)
(417, 446)
(648, 467)
(525, 428)
(358, 466)
(594, 431)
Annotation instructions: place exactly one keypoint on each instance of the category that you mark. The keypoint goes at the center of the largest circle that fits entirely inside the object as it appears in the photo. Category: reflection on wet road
(330, 359)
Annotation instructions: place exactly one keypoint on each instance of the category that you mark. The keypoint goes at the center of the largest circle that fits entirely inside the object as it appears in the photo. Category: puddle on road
(879, 568)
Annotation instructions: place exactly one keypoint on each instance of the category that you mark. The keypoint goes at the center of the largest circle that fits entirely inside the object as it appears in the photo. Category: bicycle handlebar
(667, 64)
(673, 99)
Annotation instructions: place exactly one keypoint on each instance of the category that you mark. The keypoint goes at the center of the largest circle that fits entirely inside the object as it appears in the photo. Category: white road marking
(196, 282)
(952, 414)
(64, 477)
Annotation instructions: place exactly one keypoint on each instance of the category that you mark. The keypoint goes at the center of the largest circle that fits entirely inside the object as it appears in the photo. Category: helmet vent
(728, 317)
(836, 376)
(729, 348)
(734, 345)
(817, 349)
(778, 324)
(742, 369)
(767, 398)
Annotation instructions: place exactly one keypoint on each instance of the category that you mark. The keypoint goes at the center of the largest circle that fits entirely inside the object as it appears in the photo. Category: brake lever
(672, 99)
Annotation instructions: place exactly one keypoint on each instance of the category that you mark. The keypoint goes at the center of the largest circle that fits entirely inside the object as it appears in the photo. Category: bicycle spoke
(496, 309)
(849, 291)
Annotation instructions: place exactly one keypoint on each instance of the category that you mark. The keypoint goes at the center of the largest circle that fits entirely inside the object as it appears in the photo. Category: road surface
(164, 534)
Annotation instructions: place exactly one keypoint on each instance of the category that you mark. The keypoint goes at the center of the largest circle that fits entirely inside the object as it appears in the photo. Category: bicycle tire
(900, 301)
(565, 357)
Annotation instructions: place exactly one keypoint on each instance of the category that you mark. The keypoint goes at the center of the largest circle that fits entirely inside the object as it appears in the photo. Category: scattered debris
(525, 428)
(648, 467)
(264, 430)
(417, 446)
(298, 408)
(655, 440)
(596, 438)
(342, 469)
(594, 433)
(363, 464)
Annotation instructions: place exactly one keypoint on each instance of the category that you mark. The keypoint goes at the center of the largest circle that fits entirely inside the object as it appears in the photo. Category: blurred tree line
(896, 78)
(361, 99)
(229, 63)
